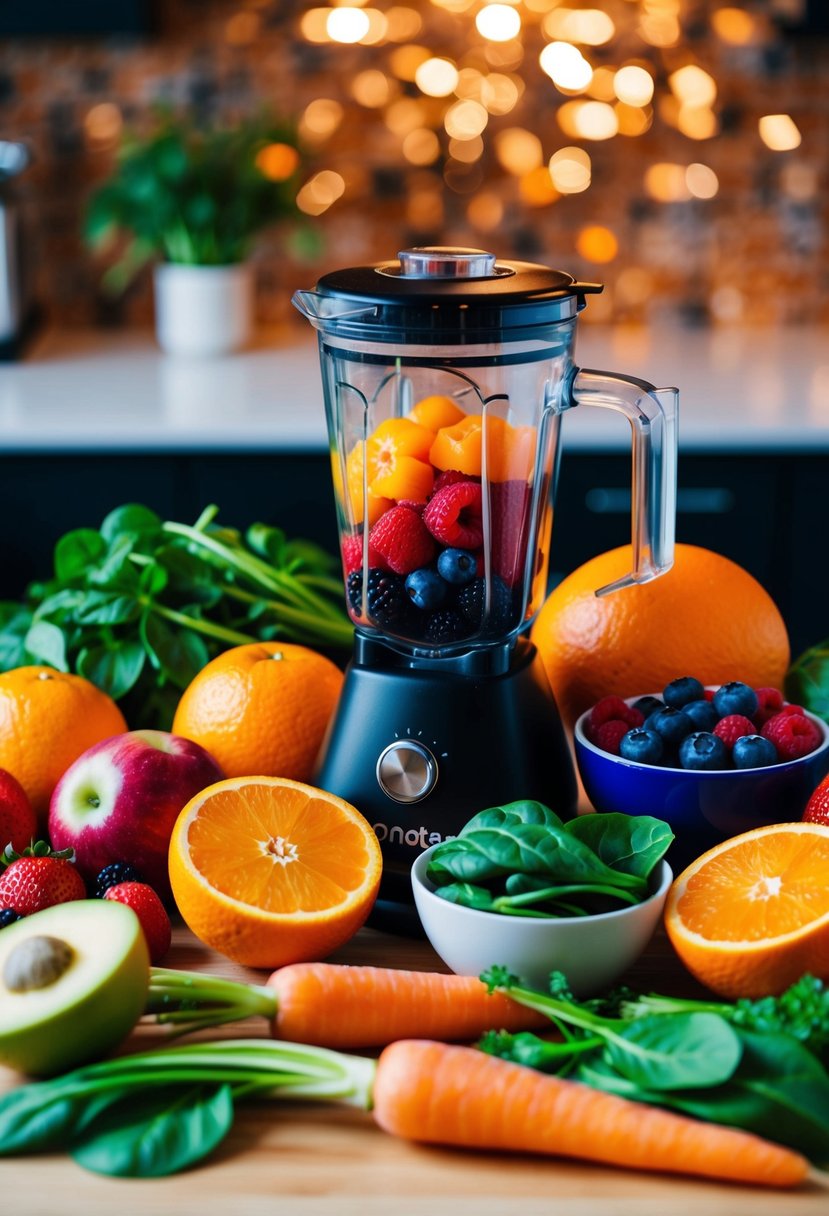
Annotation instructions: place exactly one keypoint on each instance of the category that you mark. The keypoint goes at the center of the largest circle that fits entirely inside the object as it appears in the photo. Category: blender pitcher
(445, 376)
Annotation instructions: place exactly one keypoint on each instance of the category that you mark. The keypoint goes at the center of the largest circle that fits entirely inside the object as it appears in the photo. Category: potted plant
(193, 199)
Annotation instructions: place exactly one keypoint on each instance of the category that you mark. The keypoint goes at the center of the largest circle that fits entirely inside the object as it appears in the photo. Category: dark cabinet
(765, 511)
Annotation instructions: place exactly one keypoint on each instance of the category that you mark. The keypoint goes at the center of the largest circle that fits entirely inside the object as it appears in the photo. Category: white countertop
(114, 391)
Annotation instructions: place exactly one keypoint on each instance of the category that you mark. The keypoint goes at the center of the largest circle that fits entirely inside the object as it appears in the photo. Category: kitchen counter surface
(114, 391)
(306, 1160)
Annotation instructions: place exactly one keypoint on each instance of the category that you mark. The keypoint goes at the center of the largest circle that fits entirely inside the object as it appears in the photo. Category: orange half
(751, 915)
(270, 871)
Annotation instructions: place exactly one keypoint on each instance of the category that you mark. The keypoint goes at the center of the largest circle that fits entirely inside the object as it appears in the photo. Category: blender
(445, 376)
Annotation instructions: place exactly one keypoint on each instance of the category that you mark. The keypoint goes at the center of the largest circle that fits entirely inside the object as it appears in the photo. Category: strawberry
(401, 541)
(18, 822)
(817, 808)
(793, 734)
(454, 515)
(30, 884)
(150, 911)
(733, 727)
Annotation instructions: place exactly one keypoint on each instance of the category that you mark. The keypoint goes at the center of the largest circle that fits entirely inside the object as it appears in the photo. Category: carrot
(443, 1094)
(338, 1006)
(332, 1005)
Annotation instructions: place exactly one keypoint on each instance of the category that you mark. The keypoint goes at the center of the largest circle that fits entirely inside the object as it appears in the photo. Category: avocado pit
(37, 963)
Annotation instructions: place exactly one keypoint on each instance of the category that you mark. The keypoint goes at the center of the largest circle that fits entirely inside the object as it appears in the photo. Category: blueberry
(644, 746)
(702, 714)
(648, 705)
(457, 566)
(426, 589)
(736, 698)
(680, 692)
(702, 750)
(672, 724)
(753, 751)
(8, 916)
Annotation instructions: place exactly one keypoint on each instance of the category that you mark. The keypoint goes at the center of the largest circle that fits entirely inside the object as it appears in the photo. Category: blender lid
(444, 291)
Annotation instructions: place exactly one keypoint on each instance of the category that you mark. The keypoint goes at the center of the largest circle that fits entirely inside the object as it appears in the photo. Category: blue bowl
(702, 808)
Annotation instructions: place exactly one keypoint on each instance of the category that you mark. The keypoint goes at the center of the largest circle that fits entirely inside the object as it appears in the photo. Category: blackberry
(446, 626)
(387, 600)
(471, 604)
(111, 875)
(8, 916)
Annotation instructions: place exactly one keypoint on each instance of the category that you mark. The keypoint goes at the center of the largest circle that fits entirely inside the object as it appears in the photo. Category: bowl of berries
(712, 762)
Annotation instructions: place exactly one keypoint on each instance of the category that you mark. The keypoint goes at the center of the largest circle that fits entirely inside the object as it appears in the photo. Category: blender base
(483, 739)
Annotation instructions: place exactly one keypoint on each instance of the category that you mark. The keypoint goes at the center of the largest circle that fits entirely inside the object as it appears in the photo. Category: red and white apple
(120, 800)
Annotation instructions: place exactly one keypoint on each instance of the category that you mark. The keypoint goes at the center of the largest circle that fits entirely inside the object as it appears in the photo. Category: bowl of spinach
(521, 886)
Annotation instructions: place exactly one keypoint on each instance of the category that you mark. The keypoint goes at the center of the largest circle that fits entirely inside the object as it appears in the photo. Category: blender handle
(652, 413)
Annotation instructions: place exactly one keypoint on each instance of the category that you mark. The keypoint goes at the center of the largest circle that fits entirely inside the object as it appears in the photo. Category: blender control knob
(407, 771)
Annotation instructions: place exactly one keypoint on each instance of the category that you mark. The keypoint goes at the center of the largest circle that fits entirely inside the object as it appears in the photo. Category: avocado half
(73, 983)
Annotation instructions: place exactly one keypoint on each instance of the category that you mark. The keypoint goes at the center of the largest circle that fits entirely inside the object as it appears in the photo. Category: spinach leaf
(180, 656)
(633, 844)
(15, 622)
(468, 894)
(115, 668)
(155, 1133)
(131, 518)
(76, 552)
(511, 815)
(488, 853)
(45, 643)
(659, 1052)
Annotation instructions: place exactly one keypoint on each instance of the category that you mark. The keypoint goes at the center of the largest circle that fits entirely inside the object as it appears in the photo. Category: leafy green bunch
(190, 195)
(140, 605)
(522, 860)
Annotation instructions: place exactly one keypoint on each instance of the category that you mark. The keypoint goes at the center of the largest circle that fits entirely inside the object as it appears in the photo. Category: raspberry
(449, 477)
(733, 727)
(794, 735)
(609, 735)
(386, 597)
(453, 516)
(401, 540)
(510, 504)
(352, 548)
(770, 702)
(611, 709)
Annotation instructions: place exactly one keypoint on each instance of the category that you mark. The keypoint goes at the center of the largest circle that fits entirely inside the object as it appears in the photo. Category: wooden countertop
(304, 1160)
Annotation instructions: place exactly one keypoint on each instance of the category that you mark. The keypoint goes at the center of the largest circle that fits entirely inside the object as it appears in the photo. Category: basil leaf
(114, 669)
(76, 552)
(268, 542)
(117, 571)
(157, 1133)
(676, 1051)
(180, 656)
(132, 517)
(15, 623)
(46, 644)
(632, 844)
(104, 608)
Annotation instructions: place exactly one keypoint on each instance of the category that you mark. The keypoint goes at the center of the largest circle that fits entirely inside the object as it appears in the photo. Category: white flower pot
(203, 310)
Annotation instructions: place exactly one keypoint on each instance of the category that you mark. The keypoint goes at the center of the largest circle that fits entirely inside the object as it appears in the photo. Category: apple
(73, 983)
(120, 800)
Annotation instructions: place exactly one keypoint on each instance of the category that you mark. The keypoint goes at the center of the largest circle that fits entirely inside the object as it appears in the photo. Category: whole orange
(261, 709)
(707, 617)
(47, 719)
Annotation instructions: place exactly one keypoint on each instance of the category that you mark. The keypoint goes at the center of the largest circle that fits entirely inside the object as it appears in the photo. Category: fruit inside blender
(444, 531)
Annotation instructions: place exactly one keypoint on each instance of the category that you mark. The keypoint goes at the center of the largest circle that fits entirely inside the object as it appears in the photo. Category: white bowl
(592, 951)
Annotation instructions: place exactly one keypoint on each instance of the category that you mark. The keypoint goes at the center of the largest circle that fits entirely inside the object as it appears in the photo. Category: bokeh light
(518, 151)
(570, 170)
(347, 24)
(498, 22)
(779, 132)
(436, 77)
(565, 65)
(633, 85)
(596, 243)
(277, 162)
